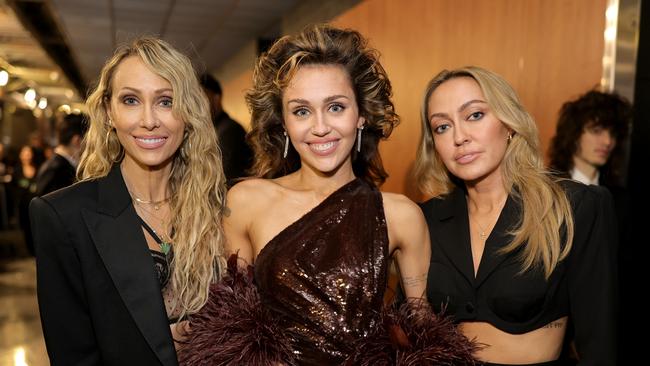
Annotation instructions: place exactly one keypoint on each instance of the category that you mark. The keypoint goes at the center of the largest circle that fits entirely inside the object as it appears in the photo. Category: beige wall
(549, 50)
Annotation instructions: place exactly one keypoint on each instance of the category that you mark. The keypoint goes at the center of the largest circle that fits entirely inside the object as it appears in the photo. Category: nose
(608, 139)
(149, 118)
(320, 127)
(460, 134)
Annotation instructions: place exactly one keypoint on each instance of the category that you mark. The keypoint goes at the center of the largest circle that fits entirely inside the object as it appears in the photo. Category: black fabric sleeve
(65, 317)
(593, 279)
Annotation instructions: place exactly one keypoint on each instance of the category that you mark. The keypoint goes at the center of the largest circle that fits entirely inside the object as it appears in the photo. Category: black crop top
(583, 286)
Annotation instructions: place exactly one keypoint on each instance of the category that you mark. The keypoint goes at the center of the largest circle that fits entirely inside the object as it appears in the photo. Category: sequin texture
(325, 275)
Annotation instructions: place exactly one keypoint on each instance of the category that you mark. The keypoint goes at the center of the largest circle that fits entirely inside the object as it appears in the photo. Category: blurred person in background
(24, 188)
(237, 155)
(59, 170)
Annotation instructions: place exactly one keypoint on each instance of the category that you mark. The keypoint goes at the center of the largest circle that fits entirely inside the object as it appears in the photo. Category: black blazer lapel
(499, 238)
(117, 235)
(451, 232)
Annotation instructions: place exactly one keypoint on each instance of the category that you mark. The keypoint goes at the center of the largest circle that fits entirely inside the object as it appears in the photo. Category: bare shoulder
(251, 194)
(399, 207)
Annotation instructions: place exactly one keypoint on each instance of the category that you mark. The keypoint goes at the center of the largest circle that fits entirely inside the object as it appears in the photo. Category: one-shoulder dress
(320, 284)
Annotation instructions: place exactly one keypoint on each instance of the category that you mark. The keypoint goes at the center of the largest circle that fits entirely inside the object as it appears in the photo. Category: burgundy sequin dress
(315, 297)
(326, 273)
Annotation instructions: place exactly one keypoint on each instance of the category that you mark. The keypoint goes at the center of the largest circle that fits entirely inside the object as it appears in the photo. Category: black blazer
(583, 286)
(98, 294)
(56, 173)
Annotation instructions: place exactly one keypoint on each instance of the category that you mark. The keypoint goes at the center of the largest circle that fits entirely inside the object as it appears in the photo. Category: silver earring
(509, 137)
(286, 145)
(359, 130)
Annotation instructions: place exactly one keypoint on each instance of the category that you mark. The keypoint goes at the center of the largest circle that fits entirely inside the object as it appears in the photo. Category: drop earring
(286, 145)
(359, 130)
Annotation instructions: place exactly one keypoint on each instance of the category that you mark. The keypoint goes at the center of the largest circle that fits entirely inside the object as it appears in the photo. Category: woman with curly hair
(126, 254)
(315, 225)
(520, 259)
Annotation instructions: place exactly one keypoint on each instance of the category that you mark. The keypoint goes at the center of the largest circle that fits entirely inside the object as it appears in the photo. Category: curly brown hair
(593, 109)
(319, 45)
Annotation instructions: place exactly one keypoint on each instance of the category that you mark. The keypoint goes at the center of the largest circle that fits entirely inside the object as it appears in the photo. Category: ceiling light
(4, 77)
(42, 103)
(30, 95)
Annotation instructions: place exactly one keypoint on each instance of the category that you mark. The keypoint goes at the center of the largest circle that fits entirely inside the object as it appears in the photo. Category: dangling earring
(286, 145)
(359, 130)
(509, 137)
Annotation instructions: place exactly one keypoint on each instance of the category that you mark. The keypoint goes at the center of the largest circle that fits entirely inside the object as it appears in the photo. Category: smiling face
(321, 117)
(140, 108)
(468, 137)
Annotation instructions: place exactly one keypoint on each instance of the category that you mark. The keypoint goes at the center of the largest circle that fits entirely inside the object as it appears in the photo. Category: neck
(486, 196)
(323, 184)
(584, 167)
(66, 151)
(146, 183)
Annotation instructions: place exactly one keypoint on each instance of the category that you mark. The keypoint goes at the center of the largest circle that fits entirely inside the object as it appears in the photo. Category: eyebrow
(460, 109)
(326, 100)
(157, 91)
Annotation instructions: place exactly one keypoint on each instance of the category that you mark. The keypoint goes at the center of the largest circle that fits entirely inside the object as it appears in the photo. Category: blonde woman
(519, 259)
(124, 255)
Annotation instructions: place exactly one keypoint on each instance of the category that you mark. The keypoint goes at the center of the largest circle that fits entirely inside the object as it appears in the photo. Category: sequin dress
(326, 273)
(315, 297)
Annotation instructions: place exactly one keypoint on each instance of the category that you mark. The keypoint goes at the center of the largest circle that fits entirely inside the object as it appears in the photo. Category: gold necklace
(482, 232)
(156, 204)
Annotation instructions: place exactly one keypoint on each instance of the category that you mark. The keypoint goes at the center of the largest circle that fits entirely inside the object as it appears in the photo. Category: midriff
(540, 345)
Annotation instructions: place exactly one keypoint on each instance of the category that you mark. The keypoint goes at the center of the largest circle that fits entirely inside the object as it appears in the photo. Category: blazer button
(469, 307)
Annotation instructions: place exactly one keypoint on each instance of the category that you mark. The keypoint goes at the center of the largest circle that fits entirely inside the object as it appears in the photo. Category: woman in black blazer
(519, 259)
(124, 255)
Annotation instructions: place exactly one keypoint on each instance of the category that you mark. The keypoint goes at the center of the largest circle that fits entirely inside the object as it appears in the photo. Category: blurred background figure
(59, 170)
(237, 155)
(24, 186)
(588, 147)
(589, 138)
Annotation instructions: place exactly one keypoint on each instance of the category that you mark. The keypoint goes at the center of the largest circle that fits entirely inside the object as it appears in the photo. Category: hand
(180, 332)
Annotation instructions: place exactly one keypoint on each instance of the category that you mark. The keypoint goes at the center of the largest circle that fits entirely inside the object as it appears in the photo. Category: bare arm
(236, 223)
(409, 238)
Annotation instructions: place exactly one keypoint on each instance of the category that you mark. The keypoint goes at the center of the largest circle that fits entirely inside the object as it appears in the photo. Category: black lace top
(161, 259)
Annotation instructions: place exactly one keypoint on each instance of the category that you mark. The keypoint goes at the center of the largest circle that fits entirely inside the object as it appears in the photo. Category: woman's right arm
(236, 223)
(65, 317)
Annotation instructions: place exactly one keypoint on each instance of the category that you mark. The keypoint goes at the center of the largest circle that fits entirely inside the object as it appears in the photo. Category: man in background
(237, 155)
(59, 171)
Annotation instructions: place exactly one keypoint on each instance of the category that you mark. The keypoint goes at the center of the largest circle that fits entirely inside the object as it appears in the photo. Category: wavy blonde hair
(196, 183)
(319, 45)
(546, 209)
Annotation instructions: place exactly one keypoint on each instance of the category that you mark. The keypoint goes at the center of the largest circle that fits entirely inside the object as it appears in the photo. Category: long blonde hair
(196, 180)
(546, 209)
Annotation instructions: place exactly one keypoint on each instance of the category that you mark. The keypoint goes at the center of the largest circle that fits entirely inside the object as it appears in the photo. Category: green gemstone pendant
(165, 247)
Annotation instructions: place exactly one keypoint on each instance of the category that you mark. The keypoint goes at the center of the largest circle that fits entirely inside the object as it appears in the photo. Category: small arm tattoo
(414, 280)
(555, 325)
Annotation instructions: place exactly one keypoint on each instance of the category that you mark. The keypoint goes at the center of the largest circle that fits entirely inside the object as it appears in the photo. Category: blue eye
(301, 112)
(336, 108)
(441, 128)
(129, 100)
(166, 102)
(475, 116)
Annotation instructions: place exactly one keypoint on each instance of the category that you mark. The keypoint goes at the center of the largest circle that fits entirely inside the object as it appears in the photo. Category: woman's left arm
(409, 237)
(593, 278)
